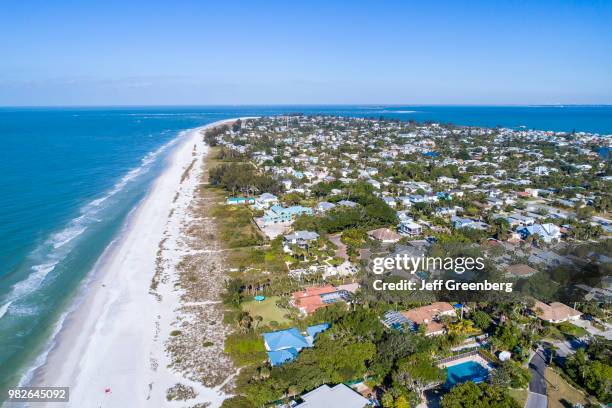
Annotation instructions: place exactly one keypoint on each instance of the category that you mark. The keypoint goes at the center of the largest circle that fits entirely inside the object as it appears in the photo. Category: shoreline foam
(112, 337)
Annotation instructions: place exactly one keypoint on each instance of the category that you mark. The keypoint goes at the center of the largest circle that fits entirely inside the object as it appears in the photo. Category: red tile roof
(426, 314)
(310, 300)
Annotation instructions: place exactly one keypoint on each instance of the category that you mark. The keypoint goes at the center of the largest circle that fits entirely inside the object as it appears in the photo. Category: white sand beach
(111, 351)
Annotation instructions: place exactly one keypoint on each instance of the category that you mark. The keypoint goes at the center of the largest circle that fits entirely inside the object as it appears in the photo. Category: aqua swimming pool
(466, 371)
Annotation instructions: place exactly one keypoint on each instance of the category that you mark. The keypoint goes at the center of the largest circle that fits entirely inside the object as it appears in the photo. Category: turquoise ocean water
(69, 178)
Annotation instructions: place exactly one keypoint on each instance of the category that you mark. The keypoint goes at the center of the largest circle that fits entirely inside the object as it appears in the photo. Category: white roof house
(325, 206)
(265, 200)
(390, 201)
(548, 232)
(337, 396)
(409, 227)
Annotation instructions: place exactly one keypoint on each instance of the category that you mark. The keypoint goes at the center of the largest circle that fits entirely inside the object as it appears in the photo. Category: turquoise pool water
(467, 371)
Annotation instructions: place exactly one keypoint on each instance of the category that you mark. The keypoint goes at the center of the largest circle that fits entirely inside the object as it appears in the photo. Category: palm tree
(258, 319)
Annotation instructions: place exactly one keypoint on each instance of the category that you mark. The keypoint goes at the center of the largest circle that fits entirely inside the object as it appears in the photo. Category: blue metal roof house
(285, 345)
(314, 330)
(282, 356)
(280, 214)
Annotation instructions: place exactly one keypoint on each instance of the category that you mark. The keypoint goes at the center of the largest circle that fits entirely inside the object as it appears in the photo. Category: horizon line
(368, 105)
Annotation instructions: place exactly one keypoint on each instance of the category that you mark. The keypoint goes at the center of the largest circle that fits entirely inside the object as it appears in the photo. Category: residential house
(286, 184)
(265, 201)
(520, 271)
(285, 345)
(445, 211)
(556, 312)
(337, 396)
(547, 232)
(447, 180)
(347, 203)
(395, 320)
(300, 238)
(324, 206)
(390, 201)
(405, 201)
(429, 316)
(414, 199)
(384, 235)
(375, 183)
(240, 200)
(278, 214)
(499, 173)
(316, 297)
(459, 222)
(409, 227)
(518, 220)
(346, 268)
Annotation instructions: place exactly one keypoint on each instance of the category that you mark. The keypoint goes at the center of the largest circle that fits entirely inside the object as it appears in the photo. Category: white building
(337, 396)
(409, 227)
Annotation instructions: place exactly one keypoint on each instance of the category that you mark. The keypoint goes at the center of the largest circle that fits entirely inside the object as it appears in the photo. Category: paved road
(537, 366)
(537, 386)
(536, 401)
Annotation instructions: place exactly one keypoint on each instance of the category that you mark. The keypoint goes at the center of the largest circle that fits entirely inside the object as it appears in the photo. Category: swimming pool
(466, 371)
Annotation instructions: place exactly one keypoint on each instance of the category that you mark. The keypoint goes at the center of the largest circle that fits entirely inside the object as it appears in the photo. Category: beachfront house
(337, 396)
(285, 345)
(240, 200)
(316, 297)
(277, 213)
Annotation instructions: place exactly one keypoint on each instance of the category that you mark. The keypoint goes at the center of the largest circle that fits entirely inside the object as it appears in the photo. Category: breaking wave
(59, 244)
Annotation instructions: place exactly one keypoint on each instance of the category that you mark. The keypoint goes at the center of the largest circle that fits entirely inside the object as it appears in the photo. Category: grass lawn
(519, 395)
(571, 329)
(266, 309)
(565, 395)
(235, 227)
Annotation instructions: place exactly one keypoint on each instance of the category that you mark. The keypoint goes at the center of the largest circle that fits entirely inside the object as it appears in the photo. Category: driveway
(341, 247)
(536, 400)
(537, 386)
(567, 347)
(586, 324)
(537, 366)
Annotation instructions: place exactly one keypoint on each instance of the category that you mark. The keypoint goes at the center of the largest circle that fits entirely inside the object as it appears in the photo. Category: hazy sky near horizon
(330, 52)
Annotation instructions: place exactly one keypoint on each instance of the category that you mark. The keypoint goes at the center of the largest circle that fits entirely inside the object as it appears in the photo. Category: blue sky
(331, 52)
